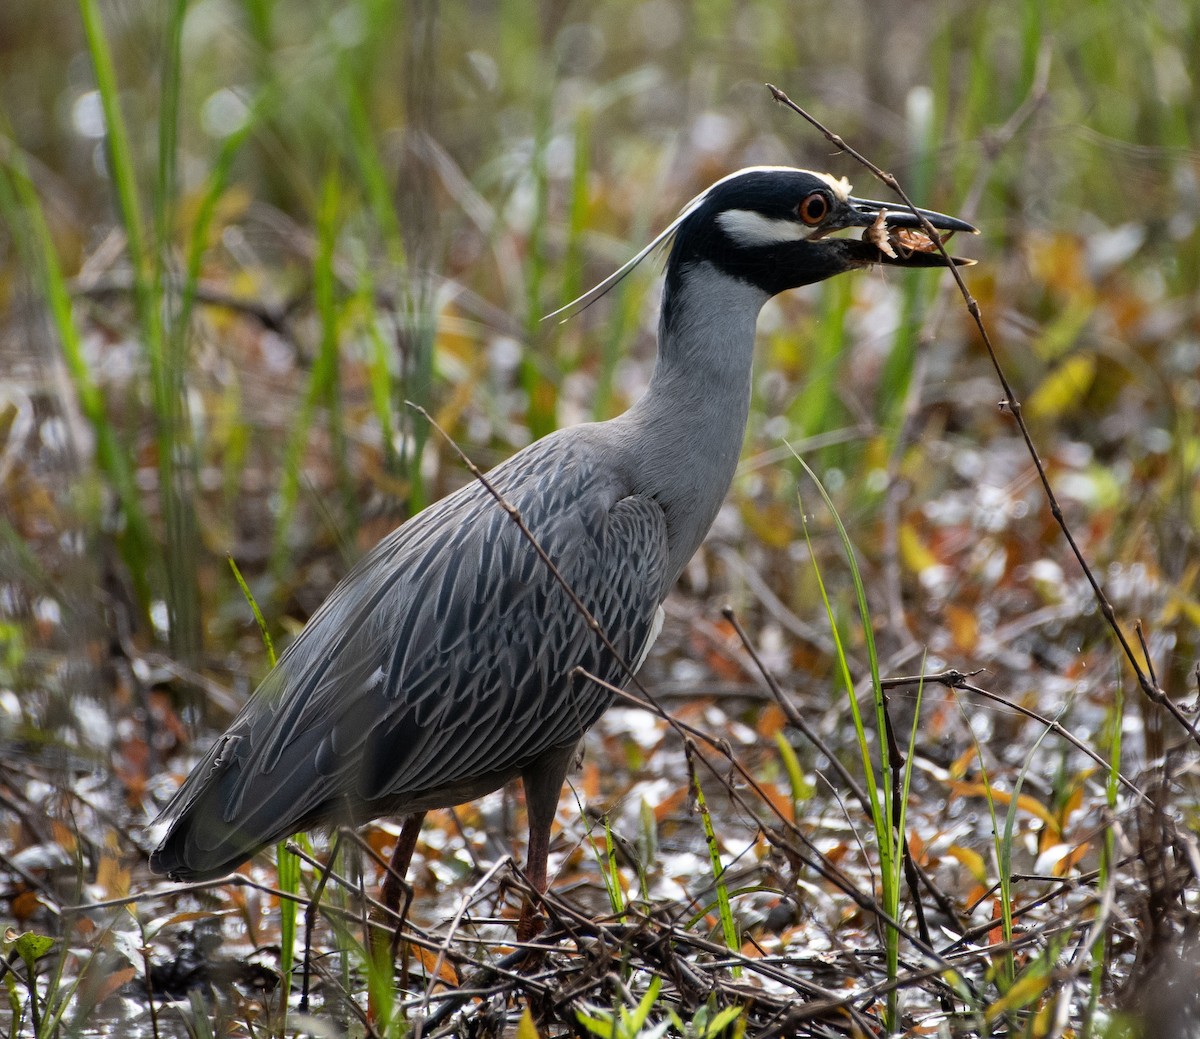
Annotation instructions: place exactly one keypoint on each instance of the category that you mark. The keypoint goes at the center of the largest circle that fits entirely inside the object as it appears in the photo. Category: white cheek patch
(748, 228)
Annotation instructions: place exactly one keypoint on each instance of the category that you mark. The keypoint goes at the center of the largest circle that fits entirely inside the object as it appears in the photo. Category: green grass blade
(287, 864)
(1108, 851)
(609, 871)
(816, 408)
(843, 668)
(647, 847)
(173, 441)
(540, 389)
(22, 208)
(214, 189)
(168, 130)
(882, 809)
(385, 392)
(906, 784)
(122, 172)
(259, 619)
(323, 380)
(724, 908)
(572, 265)
(800, 788)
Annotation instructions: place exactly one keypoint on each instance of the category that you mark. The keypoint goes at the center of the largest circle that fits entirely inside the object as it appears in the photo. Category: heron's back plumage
(441, 666)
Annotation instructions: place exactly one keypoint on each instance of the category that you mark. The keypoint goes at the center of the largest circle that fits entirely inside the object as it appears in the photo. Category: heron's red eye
(813, 208)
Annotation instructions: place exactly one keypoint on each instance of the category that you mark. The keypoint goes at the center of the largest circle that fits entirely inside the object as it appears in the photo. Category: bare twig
(1011, 404)
(951, 678)
(994, 143)
(272, 316)
(1055, 727)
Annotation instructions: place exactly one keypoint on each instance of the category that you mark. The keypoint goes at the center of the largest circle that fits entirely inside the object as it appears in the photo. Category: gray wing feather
(441, 666)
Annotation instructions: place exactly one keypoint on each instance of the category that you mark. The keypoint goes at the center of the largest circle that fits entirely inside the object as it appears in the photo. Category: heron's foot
(531, 923)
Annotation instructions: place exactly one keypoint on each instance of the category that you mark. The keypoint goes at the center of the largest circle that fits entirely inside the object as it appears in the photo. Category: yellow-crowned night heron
(441, 667)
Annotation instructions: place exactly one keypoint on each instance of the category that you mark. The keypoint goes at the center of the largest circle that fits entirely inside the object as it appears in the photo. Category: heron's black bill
(865, 212)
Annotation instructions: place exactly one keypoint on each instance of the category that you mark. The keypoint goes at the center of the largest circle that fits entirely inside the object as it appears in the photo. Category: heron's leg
(406, 844)
(384, 928)
(543, 782)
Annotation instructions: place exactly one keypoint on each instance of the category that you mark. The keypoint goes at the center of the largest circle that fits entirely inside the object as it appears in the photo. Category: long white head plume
(840, 187)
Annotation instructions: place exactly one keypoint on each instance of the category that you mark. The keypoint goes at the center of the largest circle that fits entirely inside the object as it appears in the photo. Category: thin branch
(1011, 404)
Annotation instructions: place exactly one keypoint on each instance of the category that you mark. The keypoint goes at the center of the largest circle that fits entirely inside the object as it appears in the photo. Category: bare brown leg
(385, 931)
(543, 782)
(406, 844)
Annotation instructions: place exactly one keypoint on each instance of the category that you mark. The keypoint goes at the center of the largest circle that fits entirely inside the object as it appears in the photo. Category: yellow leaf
(465, 391)
(114, 981)
(670, 804)
(1023, 992)
(1179, 599)
(916, 847)
(972, 860)
(1002, 797)
(111, 878)
(1043, 1020)
(1061, 334)
(1063, 388)
(1074, 800)
(782, 802)
(428, 958)
(63, 837)
(964, 628)
(1058, 260)
(771, 721)
(1071, 860)
(526, 1029)
(916, 555)
(772, 523)
(958, 767)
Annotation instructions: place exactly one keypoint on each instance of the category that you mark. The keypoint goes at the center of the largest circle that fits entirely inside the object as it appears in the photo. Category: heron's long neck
(687, 431)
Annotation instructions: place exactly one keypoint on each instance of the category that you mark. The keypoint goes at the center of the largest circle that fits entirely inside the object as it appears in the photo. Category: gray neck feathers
(686, 433)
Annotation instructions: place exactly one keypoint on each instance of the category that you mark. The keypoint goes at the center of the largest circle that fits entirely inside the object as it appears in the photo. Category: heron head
(774, 226)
